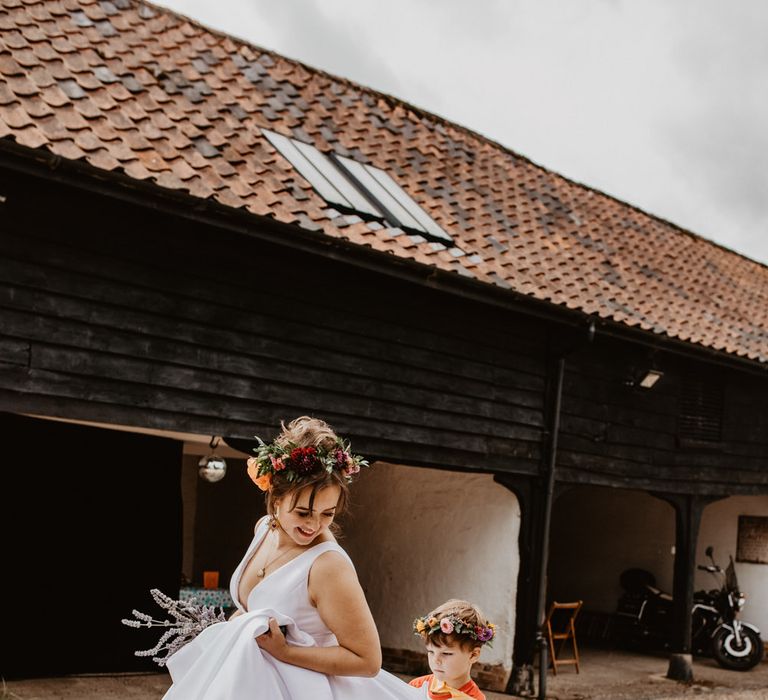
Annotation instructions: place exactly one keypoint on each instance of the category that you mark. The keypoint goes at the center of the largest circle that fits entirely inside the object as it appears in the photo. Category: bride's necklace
(263, 570)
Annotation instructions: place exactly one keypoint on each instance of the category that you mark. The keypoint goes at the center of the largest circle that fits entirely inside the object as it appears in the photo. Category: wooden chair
(560, 626)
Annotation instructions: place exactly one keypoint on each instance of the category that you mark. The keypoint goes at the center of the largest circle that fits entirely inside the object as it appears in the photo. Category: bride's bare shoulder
(331, 570)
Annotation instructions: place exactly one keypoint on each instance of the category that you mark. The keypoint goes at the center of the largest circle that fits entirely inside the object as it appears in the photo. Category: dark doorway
(91, 520)
(597, 533)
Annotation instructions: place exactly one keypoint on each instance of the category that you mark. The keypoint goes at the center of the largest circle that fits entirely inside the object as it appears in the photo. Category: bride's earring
(273, 522)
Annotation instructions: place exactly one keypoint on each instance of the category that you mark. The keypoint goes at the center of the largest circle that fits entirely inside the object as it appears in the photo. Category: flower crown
(450, 624)
(293, 462)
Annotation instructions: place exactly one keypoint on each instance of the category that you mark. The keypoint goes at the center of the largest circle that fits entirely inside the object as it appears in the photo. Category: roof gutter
(46, 165)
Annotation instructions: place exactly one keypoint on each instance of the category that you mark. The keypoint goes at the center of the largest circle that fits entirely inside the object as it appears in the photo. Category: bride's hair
(306, 431)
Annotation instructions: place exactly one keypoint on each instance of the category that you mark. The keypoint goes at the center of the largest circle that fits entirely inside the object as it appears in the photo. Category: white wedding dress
(224, 662)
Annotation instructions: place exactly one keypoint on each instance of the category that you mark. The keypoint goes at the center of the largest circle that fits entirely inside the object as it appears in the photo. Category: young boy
(454, 634)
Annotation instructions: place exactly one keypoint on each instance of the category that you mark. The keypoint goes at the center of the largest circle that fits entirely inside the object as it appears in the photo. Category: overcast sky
(661, 103)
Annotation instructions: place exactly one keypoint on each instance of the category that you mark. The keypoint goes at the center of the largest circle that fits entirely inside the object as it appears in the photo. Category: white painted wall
(719, 527)
(599, 532)
(420, 536)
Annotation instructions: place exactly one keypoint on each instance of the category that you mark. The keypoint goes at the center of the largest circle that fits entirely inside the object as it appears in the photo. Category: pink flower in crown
(351, 467)
(340, 458)
(277, 463)
(446, 625)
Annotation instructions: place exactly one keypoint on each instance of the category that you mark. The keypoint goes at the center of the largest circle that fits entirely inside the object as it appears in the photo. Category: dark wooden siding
(128, 317)
(617, 434)
(125, 315)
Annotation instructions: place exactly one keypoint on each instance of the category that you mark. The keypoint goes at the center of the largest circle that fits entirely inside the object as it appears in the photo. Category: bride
(302, 628)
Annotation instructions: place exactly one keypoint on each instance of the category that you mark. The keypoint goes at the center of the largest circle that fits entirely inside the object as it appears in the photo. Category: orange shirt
(440, 691)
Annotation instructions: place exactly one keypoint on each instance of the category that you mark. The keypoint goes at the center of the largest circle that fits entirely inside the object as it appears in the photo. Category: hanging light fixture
(212, 468)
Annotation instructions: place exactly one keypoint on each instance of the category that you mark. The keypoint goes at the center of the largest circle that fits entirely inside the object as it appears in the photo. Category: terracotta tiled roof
(131, 87)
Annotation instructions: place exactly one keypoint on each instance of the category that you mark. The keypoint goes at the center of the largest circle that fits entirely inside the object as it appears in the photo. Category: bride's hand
(273, 641)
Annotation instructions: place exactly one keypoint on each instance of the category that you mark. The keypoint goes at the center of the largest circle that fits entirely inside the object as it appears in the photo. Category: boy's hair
(470, 615)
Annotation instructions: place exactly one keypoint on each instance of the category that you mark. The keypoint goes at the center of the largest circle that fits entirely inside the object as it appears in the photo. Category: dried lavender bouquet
(189, 619)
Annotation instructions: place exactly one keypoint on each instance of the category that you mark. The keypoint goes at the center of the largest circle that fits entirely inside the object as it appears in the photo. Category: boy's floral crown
(450, 624)
(293, 462)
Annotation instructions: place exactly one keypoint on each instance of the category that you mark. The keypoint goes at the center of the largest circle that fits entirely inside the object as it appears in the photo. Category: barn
(201, 238)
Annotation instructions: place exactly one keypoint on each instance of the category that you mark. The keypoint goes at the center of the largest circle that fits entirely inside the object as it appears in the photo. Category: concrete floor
(614, 675)
(605, 675)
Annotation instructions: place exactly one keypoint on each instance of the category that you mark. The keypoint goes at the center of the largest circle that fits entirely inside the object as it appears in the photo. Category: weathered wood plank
(203, 298)
(625, 467)
(610, 432)
(331, 370)
(13, 351)
(286, 390)
(244, 412)
(646, 483)
(191, 323)
(657, 460)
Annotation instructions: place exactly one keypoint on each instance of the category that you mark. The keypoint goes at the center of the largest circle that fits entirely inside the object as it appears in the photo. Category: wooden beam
(530, 497)
(688, 510)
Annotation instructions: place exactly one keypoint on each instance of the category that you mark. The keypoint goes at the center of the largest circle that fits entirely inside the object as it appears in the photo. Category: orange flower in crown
(264, 481)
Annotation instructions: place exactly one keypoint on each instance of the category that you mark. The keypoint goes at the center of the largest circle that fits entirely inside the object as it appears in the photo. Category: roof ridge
(423, 112)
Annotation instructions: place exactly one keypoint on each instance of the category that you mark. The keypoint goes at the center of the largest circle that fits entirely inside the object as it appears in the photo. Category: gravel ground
(605, 675)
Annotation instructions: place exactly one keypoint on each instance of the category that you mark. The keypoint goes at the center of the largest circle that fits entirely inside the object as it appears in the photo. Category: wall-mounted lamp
(645, 379)
(650, 378)
(212, 467)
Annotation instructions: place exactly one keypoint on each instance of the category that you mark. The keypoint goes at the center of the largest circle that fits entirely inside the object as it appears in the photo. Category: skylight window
(357, 187)
(393, 198)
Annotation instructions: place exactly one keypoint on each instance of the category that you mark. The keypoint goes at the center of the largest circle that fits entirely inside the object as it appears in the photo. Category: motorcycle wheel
(737, 657)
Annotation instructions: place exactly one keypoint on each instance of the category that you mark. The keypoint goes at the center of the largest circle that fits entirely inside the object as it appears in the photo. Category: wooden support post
(688, 511)
(536, 498)
(530, 497)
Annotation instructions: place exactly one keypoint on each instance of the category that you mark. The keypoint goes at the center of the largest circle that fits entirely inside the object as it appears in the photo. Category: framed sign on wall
(752, 545)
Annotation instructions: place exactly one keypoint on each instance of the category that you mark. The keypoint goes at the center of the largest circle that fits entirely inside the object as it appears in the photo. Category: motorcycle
(645, 613)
